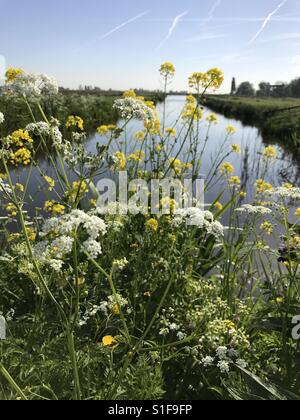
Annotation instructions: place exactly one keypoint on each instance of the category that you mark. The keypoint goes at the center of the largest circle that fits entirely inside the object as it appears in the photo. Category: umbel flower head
(30, 85)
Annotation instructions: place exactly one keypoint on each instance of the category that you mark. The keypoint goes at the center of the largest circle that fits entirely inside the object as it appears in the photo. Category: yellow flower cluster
(176, 165)
(212, 79)
(120, 160)
(109, 341)
(75, 121)
(54, 208)
(19, 137)
(50, 182)
(11, 209)
(12, 73)
(234, 181)
(236, 148)
(191, 109)
(269, 153)
(103, 130)
(297, 213)
(153, 127)
(152, 224)
(267, 227)
(140, 135)
(231, 130)
(212, 119)
(227, 168)
(21, 157)
(262, 186)
(171, 132)
(167, 69)
(77, 192)
(137, 156)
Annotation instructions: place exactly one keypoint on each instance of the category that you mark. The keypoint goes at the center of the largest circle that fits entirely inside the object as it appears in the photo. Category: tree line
(266, 89)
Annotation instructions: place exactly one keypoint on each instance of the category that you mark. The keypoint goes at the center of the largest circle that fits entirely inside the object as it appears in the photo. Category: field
(263, 113)
(141, 297)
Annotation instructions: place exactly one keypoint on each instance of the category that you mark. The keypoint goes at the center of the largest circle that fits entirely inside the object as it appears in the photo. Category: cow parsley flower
(32, 85)
(224, 366)
(194, 216)
(207, 361)
(253, 210)
(132, 108)
(1, 118)
(93, 248)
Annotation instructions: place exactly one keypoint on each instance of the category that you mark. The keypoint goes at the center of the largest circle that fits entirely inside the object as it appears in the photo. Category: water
(247, 165)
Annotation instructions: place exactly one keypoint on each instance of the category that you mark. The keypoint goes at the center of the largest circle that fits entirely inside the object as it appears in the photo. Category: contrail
(112, 31)
(173, 27)
(267, 20)
(117, 28)
(213, 9)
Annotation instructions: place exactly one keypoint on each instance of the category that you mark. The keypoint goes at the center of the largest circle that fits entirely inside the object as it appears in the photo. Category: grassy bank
(275, 117)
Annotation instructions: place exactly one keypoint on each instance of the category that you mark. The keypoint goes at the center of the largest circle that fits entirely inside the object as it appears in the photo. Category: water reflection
(247, 165)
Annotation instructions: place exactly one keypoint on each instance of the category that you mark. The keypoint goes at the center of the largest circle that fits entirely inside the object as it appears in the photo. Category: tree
(233, 86)
(294, 88)
(246, 89)
(264, 89)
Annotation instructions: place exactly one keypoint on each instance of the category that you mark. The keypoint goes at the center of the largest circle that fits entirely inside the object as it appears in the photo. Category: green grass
(259, 112)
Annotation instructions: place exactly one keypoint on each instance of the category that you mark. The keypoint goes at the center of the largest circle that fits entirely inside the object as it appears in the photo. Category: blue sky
(121, 43)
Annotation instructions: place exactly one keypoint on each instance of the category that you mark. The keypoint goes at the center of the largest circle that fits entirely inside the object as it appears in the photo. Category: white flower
(134, 108)
(285, 193)
(253, 210)
(93, 248)
(33, 85)
(1, 118)
(222, 352)
(242, 363)
(120, 264)
(56, 265)
(194, 216)
(207, 361)
(61, 246)
(223, 366)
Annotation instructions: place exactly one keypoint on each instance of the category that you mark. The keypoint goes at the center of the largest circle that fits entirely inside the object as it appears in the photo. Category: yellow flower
(19, 137)
(230, 129)
(11, 209)
(109, 341)
(54, 208)
(77, 192)
(116, 309)
(287, 186)
(79, 281)
(120, 161)
(153, 127)
(12, 73)
(103, 130)
(21, 157)
(3, 176)
(171, 132)
(227, 169)
(140, 135)
(192, 110)
(167, 69)
(212, 79)
(243, 194)
(20, 187)
(218, 206)
(129, 94)
(50, 182)
(212, 119)
(236, 148)
(297, 213)
(269, 153)
(152, 224)
(31, 234)
(75, 121)
(263, 186)
(234, 181)
(267, 227)
(176, 165)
